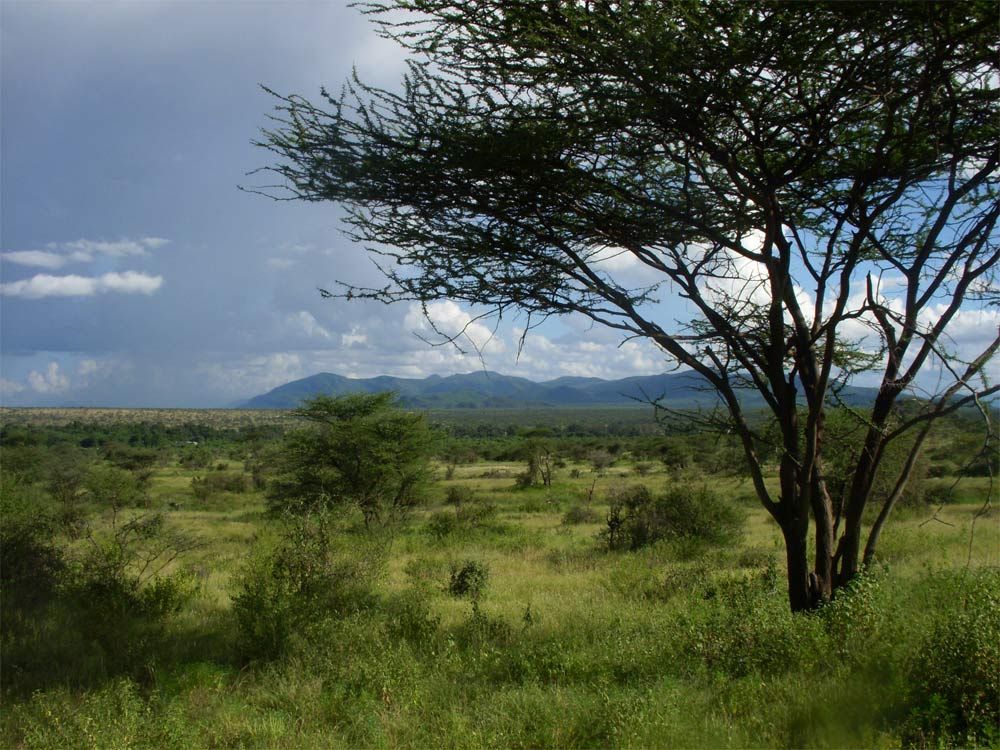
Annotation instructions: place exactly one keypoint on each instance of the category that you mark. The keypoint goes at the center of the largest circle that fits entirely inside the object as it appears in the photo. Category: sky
(134, 272)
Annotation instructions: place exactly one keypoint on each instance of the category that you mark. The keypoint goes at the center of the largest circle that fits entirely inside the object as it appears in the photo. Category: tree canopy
(360, 450)
(818, 182)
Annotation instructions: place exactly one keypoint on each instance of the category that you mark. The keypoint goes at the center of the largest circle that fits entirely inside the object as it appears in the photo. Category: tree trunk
(800, 590)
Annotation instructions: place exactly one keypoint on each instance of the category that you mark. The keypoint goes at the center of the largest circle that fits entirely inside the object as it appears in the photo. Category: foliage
(296, 582)
(567, 647)
(845, 430)
(31, 565)
(459, 495)
(744, 633)
(537, 453)
(138, 461)
(361, 451)
(123, 580)
(113, 487)
(205, 486)
(581, 514)
(66, 474)
(954, 675)
(468, 578)
(637, 518)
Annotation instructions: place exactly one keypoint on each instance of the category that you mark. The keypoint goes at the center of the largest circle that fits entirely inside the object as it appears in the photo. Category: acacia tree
(359, 450)
(817, 181)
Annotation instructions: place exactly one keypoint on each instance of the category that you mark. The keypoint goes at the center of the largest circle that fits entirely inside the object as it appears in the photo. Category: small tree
(539, 458)
(819, 183)
(360, 450)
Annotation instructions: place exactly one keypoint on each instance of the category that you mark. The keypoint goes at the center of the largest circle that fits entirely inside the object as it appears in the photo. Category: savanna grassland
(151, 601)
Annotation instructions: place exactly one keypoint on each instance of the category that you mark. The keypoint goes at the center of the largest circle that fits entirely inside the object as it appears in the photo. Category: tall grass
(563, 644)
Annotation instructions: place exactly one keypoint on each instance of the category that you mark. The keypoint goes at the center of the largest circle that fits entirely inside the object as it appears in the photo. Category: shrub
(468, 579)
(195, 458)
(954, 675)
(642, 468)
(442, 524)
(756, 557)
(119, 582)
(114, 487)
(749, 631)
(211, 484)
(695, 514)
(476, 513)
(459, 495)
(464, 517)
(580, 514)
(137, 461)
(410, 617)
(601, 460)
(30, 563)
(482, 629)
(300, 580)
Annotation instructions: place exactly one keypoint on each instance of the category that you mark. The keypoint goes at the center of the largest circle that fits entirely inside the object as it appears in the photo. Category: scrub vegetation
(634, 599)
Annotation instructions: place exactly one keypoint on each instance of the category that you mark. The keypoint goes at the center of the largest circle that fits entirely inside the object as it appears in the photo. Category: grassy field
(567, 644)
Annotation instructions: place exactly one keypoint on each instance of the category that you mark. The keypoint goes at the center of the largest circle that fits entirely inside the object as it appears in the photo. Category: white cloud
(308, 324)
(51, 381)
(447, 318)
(543, 358)
(8, 387)
(250, 376)
(353, 338)
(38, 258)
(82, 251)
(613, 259)
(46, 285)
(129, 282)
(120, 249)
(281, 264)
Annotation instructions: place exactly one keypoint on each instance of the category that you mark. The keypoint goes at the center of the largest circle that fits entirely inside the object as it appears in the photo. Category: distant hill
(491, 390)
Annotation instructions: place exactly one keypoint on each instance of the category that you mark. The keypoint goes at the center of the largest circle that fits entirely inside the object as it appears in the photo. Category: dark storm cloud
(133, 269)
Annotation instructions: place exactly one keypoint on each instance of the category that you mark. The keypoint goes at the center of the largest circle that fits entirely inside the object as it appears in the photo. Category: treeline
(601, 436)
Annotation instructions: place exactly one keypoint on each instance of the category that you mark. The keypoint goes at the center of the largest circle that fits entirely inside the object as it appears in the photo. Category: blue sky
(135, 273)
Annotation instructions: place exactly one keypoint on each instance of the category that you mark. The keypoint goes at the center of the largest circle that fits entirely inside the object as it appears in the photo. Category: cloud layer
(44, 285)
(82, 251)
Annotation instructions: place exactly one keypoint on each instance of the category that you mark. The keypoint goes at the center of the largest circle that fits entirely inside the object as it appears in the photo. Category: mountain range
(491, 390)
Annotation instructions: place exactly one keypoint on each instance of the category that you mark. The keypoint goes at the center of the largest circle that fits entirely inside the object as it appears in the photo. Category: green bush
(482, 629)
(212, 484)
(195, 458)
(954, 675)
(31, 565)
(468, 579)
(442, 524)
(118, 586)
(580, 514)
(689, 514)
(410, 617)
(468, 514)
(300, 580)
(114, 487)
(459, 495)
(476, 513)
(749, 630)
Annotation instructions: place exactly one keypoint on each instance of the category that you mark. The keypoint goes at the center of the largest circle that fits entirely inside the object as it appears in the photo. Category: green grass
(568, 646)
